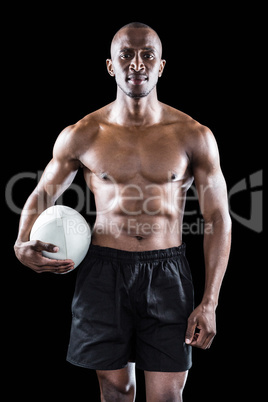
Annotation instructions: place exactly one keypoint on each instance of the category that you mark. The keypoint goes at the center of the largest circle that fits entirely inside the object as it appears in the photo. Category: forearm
(36, 203)
(217, 242)
(52, 184)
(30, 253)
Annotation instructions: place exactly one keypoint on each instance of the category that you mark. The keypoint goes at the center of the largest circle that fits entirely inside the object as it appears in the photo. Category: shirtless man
(134, 288)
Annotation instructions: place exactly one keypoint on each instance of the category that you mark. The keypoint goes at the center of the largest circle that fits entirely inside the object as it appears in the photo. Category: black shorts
(132, 306)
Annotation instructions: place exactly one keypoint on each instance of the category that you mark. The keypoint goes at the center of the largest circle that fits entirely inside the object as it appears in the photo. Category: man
(134, 290)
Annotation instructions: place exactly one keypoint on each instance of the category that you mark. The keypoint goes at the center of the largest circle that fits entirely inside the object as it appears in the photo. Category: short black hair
(136, 25)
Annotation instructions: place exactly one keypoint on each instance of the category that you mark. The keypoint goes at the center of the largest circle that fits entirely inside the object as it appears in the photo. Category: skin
(139, 157)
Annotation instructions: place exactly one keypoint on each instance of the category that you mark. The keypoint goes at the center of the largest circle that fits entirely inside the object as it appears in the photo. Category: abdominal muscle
(140, 216)
(137, 234)
(138, 230)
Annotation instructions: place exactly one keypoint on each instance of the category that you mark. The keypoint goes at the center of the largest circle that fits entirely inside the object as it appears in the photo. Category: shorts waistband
(136, 256)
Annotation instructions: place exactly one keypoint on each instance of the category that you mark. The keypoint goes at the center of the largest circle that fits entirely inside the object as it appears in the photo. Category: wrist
(209, 301)
(23, 237)
(19, 242)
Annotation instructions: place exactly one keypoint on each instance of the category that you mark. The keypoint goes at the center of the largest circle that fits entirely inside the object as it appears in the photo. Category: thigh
(164, 307)
(101, 331)
(162, 386)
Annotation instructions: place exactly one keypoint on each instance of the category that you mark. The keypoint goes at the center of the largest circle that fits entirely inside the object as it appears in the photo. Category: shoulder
(74, 139)
(198, 139)
(202, 142)
(202, 147)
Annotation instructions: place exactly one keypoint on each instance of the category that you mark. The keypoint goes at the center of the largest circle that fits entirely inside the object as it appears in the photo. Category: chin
(137, 96)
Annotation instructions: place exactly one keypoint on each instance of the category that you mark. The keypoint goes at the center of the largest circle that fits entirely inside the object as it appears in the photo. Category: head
(136, 59)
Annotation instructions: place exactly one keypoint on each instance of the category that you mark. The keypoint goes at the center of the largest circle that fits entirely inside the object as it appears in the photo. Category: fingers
(54, 266)
(201, 329)
(42, 264)
(190, 332)
(30, 254)
(38, 245)
(202, 339)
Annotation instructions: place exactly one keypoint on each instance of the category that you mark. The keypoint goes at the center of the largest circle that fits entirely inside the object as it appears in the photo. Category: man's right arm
(56, 178)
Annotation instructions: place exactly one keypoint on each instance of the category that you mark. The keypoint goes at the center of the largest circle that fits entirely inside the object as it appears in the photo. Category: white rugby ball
(66, 228)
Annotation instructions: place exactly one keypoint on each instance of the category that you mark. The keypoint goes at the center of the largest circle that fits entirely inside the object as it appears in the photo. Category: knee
(165, 387)
(113, 390)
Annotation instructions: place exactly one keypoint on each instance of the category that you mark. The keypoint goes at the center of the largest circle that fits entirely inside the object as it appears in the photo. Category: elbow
(227, 223)
(220, 221)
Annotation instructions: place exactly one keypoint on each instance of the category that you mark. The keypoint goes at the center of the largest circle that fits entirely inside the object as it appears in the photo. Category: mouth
(137, 79)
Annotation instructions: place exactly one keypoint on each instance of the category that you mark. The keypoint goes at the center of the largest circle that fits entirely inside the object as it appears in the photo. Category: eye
(125, 56)
(149, 56)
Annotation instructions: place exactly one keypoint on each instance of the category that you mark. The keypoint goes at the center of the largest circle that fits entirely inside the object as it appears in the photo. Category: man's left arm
(213, 201)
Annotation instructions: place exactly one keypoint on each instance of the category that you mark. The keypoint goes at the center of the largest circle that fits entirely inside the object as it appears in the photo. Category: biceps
(212, 194)
(57, 177)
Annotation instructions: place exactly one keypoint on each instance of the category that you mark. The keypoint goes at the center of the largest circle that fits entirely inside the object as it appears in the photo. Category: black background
(54, 74)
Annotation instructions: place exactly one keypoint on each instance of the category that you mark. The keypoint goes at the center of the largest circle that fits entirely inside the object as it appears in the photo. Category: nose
(137, 63)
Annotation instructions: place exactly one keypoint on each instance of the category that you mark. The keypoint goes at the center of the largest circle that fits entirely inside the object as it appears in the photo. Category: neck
(136, 111)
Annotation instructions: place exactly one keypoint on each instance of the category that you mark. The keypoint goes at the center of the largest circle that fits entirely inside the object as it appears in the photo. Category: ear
(109, 65)
(161, 69)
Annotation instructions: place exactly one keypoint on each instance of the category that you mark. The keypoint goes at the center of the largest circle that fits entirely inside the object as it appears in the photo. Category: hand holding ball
(65, 228)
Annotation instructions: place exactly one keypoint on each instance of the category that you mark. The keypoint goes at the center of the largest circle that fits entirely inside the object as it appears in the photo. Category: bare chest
(154, 156)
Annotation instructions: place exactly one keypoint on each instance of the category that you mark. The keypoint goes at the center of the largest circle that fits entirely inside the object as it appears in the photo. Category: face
(136, 61)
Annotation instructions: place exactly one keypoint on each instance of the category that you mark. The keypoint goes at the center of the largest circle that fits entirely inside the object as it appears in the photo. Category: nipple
(174, 177)
(104, 176)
